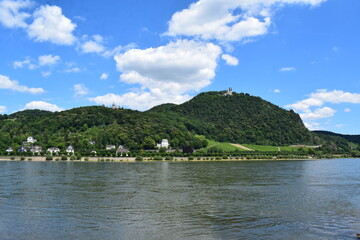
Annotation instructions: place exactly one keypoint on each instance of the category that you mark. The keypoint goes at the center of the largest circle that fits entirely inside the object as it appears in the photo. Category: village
(30, 146)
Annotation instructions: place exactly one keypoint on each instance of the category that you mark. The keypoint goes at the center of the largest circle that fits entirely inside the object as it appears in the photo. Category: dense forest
(237, 118)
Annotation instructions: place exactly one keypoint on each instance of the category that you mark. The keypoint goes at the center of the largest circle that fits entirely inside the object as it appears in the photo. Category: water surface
(180, 200)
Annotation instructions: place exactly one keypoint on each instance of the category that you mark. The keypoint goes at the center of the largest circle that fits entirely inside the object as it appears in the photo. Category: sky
(298, 54)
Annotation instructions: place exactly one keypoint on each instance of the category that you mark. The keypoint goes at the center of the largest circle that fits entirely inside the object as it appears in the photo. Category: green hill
(238, 118)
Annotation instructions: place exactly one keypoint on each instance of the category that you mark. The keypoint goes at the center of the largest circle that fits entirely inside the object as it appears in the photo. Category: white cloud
(46, 74)
(227, 20)
(230, 60)
(7, 83)
(313, 126)
(47, 60)
(277, 91)
(140, 100)
(21, 64)
(51, 25)
(318, 113)
(94, 45)
(2, 109)
(104, 76)
(11, 15)
(322, 96)
(165, 74)
(73, 70)
(347, 110)
(339, 125)
(118, 50)
(80, 90)
(177, 67)
(41, 105)
(287, 69)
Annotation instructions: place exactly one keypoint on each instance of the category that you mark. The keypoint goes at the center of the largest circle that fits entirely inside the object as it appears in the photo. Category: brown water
(180, 200)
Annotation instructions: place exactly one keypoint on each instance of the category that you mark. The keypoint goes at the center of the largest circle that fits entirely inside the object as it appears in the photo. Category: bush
(12, 158)
(22, 158)
(64, 158)
(138, 158)
(191, 158)
(86, 159)
(49, 157)
(158, 158)
(29, 159)
(169, 158)
(72, 158)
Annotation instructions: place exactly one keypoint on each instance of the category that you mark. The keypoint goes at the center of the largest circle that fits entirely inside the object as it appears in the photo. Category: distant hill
(350, 138)
(236, 118)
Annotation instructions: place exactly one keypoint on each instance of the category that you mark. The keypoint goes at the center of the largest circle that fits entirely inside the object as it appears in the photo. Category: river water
(317, 199)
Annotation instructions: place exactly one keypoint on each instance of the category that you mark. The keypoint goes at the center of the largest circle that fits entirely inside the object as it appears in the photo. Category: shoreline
(133, 159)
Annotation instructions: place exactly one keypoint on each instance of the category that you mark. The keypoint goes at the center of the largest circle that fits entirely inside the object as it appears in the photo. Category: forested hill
(347, 137)
(241, 118)
(237, 118)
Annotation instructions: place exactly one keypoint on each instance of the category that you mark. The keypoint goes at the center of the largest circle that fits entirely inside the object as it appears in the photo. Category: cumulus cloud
(317, 100)
(21, 64)
(7, 83)
(313, 126)
(322, 96)
(227, 20)
(11, 14)
(80, 90)
(140, 100)
(3, 109)
(287, 69)
(47, 60)
(347, 110)
(51, 25)
(277, 91)
(166, 73)
(94, 45)
(104, 76)
(318, 113)
(41, 105)
(230, 60)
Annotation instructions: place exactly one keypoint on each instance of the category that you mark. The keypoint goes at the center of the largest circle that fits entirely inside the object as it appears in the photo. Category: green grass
(264, 148)
(226, 147)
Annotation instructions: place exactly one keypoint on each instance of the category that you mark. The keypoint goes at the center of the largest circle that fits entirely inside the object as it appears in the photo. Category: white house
(122, 149)
(36, 149)
(70, 149)
(110, 147)
(22, 149)
(31, 139)
(53, 150)
(164, 144)
(9, 150)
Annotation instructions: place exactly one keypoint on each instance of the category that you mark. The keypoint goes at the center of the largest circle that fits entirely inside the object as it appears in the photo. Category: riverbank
(133, 159)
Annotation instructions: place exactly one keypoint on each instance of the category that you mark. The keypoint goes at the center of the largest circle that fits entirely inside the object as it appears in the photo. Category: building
(121, 149)
(9, 150)
(229, 92)
(110, 147)
(22, 149)
(53, 150)
(36, 149)
(31, 140)
(70, 149)
(164, 144)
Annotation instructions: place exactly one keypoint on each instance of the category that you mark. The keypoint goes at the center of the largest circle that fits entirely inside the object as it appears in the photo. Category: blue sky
(298, 54)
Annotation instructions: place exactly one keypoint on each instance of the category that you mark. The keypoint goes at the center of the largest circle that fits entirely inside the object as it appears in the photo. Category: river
(317, 199)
